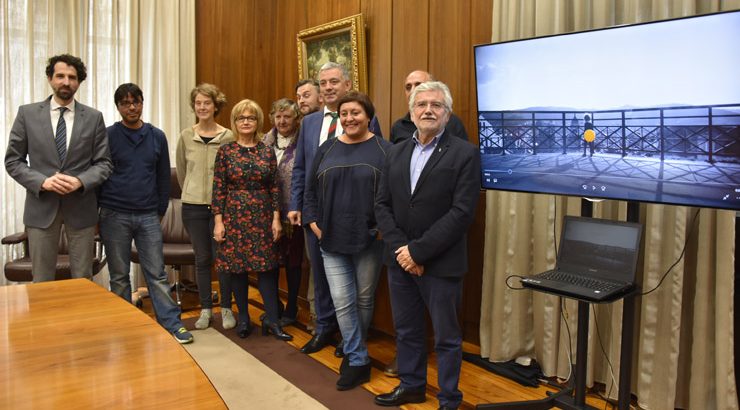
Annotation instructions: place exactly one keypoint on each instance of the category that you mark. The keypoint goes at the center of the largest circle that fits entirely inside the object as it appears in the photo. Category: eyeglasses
(242, 118)
(434, 105)
(126, 104)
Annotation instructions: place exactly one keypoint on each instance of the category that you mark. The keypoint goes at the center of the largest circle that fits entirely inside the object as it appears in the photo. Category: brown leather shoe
(391, 370)
(399, 396)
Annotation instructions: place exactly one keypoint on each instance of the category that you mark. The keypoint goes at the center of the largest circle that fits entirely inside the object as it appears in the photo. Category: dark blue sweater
(341, 193)
(140, 181)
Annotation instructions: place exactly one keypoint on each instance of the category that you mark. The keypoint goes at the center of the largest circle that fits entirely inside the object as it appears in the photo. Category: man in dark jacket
(425, 204)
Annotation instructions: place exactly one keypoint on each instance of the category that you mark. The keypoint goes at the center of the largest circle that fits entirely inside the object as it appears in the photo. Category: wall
(249, 49)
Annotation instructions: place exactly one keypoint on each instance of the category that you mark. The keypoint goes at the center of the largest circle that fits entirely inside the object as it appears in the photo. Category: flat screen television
(646, 112)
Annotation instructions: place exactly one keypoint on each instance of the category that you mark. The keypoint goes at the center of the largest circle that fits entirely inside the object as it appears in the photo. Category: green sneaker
(183, 336)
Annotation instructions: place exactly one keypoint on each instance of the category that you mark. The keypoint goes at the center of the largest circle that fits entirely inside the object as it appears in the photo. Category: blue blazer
(308, 144)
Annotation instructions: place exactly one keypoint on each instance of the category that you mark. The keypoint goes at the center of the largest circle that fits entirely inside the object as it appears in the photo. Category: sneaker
(227, 316)
(183, 336)
(204, 320)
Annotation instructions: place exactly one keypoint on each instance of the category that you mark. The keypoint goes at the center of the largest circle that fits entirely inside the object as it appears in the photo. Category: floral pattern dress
(246, 193)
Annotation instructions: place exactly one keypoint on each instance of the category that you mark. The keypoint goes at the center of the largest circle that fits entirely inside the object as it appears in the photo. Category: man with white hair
(425, 204)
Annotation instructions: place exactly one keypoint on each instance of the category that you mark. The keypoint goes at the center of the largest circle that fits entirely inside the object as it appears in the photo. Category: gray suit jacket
(32, 157)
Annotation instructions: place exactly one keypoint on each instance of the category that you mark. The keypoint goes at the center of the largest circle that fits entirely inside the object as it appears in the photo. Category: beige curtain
(683, 353)
(119, 41)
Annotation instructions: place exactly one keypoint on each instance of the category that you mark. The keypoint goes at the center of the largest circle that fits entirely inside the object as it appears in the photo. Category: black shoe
(276, 330)
(344, 365)
(353, 376)
(399, 396)
(287, 321)
(244, 329)
(339, 350)
(317, 342)
(391, 370)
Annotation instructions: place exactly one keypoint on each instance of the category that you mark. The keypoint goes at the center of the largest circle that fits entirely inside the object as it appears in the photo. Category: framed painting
(341, 41)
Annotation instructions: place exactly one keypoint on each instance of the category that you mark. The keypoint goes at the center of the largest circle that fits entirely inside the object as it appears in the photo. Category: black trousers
(198, 222)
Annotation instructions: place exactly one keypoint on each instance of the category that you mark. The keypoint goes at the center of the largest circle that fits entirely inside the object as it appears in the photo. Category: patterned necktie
(332, 126)
(61, 136)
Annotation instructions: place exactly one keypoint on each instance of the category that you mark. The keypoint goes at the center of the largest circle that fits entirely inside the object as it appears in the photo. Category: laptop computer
(597, 261)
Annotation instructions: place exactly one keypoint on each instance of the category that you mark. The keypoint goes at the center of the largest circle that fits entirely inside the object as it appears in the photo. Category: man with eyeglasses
(133, 201)
(425, 204)
(58, 151)
(316, 128)
(404, 128)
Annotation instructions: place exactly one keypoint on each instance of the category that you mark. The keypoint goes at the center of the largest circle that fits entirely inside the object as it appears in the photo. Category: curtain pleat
(120, 41)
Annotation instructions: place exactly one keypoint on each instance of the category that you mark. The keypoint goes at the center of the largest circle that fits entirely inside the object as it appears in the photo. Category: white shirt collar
(55, 105)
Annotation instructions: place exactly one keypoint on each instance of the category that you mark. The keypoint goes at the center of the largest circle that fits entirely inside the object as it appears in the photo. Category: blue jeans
(117, 230)
(352, 282)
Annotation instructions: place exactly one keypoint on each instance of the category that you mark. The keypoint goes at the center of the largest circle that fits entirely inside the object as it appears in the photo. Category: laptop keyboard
(578, 280)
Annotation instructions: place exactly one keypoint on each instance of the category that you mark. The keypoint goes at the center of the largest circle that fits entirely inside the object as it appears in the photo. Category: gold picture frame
(341, 41)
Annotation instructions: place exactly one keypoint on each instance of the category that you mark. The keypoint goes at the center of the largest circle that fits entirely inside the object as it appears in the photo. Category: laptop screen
(600, 248)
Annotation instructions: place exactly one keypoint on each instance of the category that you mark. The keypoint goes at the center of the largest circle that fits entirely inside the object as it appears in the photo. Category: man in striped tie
(316, 128)
(58, 151)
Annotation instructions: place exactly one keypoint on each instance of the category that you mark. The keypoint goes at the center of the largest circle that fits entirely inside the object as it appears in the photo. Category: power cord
(680, 257)
(606, 356)
(511, 287)
(563, 312)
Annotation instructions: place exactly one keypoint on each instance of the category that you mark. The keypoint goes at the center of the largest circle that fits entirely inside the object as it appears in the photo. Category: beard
(64, 93)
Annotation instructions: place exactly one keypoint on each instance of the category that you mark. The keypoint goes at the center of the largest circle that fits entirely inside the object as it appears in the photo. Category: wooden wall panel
(480, 32)
(248, 48)
(410, 48)
(449, 54)
(324, 11)
(378, 33)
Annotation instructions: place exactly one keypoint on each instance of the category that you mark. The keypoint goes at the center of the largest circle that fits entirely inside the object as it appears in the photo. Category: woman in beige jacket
(196, 154)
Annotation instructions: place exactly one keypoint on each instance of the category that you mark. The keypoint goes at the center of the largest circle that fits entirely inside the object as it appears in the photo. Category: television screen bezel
(609, 28)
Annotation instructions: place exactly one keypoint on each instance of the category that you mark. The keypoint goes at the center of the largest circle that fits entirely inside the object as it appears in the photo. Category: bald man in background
(404, 128)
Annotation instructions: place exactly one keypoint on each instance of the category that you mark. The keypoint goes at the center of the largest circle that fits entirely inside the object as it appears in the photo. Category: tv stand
(573, 397)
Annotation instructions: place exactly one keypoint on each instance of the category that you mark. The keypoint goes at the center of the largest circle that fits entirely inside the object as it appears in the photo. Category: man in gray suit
(58, 151)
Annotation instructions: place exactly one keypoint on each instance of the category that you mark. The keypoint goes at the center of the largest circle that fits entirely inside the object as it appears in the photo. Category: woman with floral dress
(247, 218)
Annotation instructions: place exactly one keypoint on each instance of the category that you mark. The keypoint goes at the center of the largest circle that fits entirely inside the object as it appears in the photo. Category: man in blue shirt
(132, 202)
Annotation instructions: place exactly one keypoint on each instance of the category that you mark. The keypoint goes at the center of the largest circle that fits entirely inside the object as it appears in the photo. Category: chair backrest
(173, 230)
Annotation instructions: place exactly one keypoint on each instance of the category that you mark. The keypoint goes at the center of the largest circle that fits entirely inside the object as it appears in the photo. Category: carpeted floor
(262, 372)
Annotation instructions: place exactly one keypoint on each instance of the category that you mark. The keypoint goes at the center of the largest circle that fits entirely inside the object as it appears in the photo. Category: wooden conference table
(72, 344)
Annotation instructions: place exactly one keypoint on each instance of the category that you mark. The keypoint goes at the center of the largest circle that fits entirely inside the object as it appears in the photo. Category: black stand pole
(628, 330)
